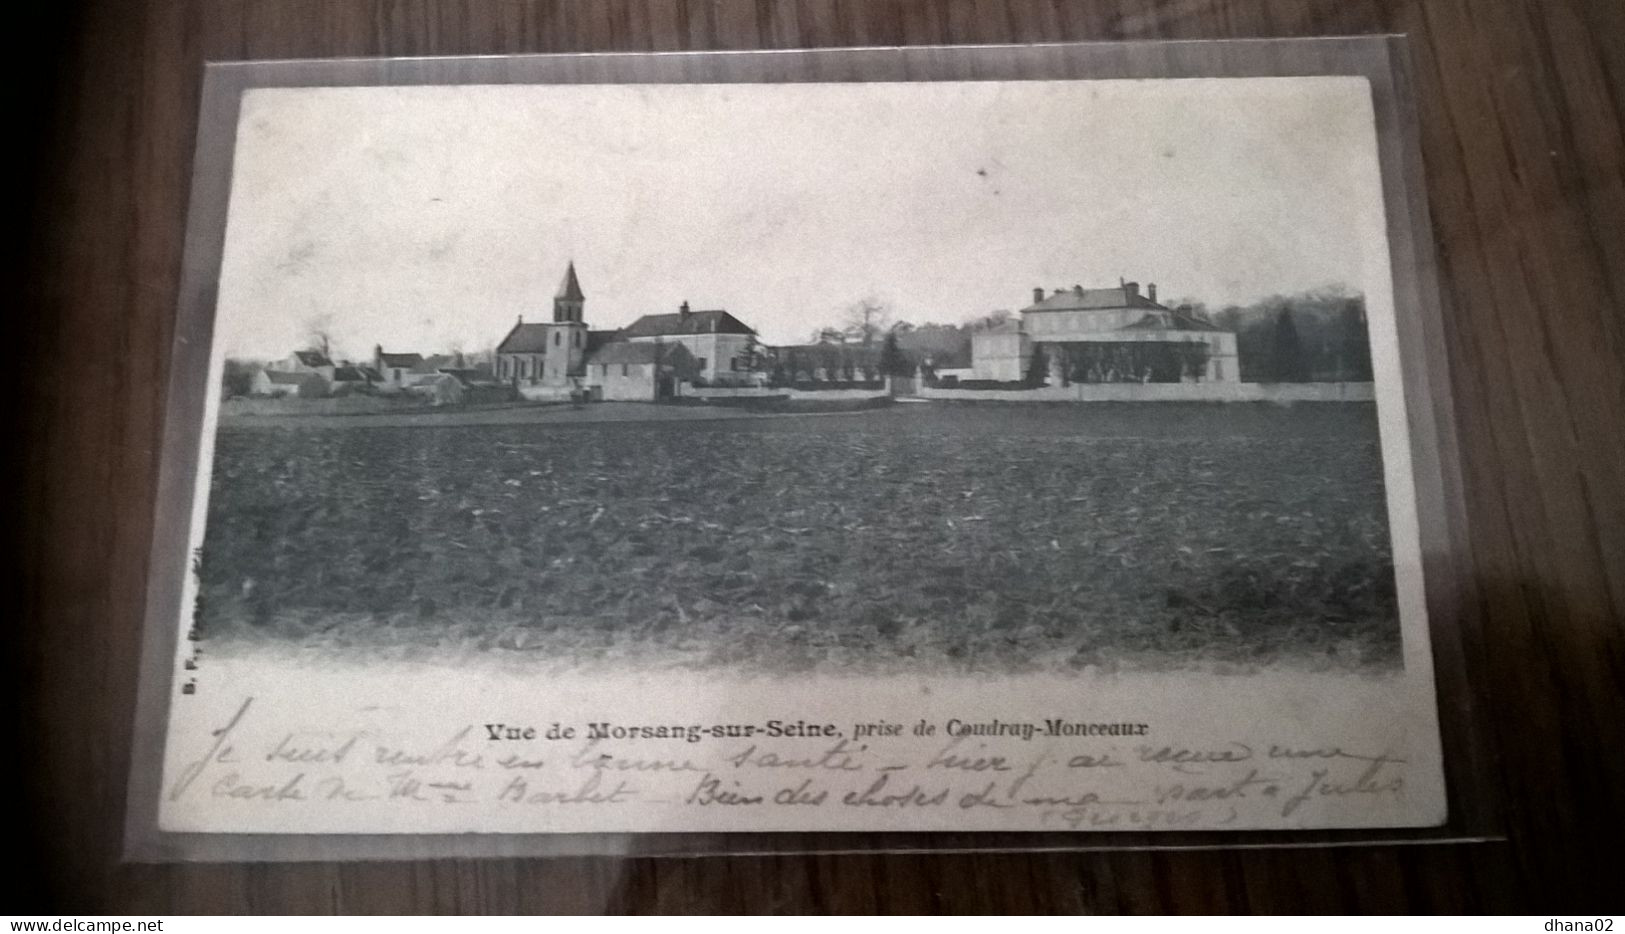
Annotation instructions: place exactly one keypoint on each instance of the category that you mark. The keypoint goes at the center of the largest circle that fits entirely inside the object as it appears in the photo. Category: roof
(352, 374)
(640, 353)
(435, 362)
(425, 382)
(312, 358)
(1169, 321)
(1079, 298)
(715, 321)
(525, 338)
(405, 360)
(570, 288)
(439, 376)
(532, 338)
(467, 375)
(290, 379)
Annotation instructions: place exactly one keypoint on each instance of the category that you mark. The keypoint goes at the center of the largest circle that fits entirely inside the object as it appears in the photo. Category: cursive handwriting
(1088, 781)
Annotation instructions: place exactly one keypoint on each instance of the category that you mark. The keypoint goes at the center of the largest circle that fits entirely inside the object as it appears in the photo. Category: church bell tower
(567, 303)
(567, 333)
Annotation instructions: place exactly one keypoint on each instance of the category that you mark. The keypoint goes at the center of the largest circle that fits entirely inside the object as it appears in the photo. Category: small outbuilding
(278, 383)
(636, 371)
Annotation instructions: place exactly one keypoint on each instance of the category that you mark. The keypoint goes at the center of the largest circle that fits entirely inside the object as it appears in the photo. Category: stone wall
(1167, 392)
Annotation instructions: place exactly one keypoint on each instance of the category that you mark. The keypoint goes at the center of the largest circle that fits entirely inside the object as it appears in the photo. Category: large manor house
(1111, 335)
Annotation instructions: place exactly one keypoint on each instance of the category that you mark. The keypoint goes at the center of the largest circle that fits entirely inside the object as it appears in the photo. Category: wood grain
(1523, 142)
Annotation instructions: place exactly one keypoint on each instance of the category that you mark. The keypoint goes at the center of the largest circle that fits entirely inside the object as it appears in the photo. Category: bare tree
(319, 331)
(992, 319)
(867, 320)
(828, 336)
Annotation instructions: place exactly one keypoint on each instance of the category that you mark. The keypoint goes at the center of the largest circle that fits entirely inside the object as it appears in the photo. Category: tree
(992, 319)
(829, 336)
(1038, 368)
(319, 332)
(1193, 360)
(754, 360)
(1354, 352)
(1287, 350)
(1192, 308)
(237, 379)
(892, 361)
(866, 320)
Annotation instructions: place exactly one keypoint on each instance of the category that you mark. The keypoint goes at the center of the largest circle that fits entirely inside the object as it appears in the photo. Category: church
(546, 359)
(563, 359)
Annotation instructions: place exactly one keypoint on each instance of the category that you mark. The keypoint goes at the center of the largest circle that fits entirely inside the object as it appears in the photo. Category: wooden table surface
(1520, 106)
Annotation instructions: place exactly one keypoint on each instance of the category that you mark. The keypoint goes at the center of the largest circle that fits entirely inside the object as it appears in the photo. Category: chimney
(1077, 290)
(682, 310)
(521, 319)
(1151, 291)
(378, 357)
(1131, 288)
(1038, 294)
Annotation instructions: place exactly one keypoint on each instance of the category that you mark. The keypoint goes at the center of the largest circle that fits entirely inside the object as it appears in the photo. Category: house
(441, 388)
(1105, 335)
(395, 370)
(639, 371)
(544, 360)
(999, 351)
(724, 348)
(349, 378)
(459, 385)
(304, 361)
(303, 384)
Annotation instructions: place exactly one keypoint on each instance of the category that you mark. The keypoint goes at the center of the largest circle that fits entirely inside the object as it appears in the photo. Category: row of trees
(1316, 336)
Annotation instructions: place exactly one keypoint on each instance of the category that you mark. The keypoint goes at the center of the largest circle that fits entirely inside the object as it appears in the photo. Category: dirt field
(972, 537)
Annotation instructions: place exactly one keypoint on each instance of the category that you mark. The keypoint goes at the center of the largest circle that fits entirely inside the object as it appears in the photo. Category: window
(578, 338)
(623, 369)
(541, 368)
(700, 363)
(557, 336)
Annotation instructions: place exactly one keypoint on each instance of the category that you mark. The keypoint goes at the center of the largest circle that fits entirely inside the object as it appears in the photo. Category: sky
(432, 218)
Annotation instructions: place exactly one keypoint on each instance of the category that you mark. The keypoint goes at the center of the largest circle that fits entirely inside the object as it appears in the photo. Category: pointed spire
(570, 288)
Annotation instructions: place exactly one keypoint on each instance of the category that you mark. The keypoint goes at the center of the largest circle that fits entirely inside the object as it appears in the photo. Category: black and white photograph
(1035, 413)
(675, 395)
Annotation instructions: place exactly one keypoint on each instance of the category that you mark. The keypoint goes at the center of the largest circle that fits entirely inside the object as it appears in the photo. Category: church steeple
(567, 303)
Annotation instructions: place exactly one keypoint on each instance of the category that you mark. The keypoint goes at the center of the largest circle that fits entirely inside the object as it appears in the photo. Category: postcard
(826, 456)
